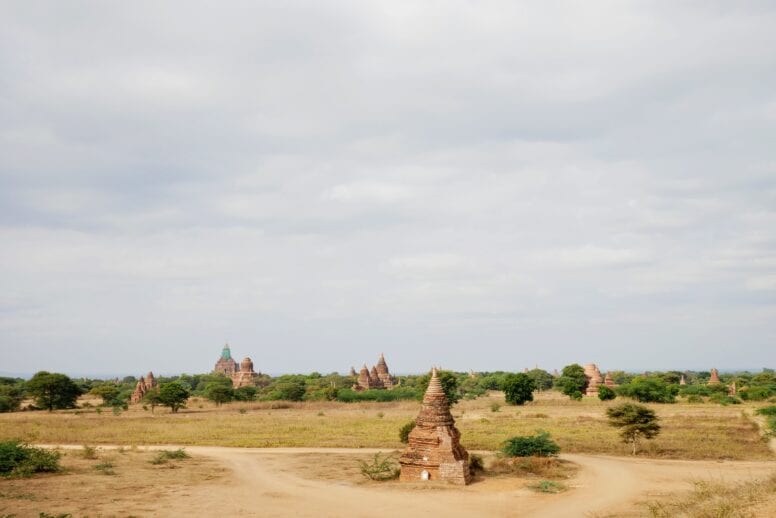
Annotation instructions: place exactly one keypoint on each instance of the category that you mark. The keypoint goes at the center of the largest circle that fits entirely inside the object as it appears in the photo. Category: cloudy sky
(481, 185)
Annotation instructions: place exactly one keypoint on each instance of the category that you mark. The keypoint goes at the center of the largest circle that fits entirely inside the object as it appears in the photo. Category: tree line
(52, 391)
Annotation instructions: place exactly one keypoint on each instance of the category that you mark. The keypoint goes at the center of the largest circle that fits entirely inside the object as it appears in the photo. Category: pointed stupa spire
(434, 385)
(434, 451)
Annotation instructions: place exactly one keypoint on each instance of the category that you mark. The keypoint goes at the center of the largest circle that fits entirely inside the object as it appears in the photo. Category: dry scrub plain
(110, 483)
(701, 446)
(698, 431)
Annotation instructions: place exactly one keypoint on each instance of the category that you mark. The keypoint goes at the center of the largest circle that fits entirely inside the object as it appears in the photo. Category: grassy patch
(690, 431)
(548, 486)
(716, 499)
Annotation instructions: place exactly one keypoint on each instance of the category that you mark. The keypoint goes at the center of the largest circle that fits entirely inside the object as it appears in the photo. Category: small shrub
(47, 515)
(178, 454)
(694, 398)
(605, 393)
(576, 395)
(539, 445)
(106, 468)
(242, 410)
(89, 452)
(381, 468)
(725, 400)
(548, 486)
(163, 456)
(475, 463)
(98, 410)
(495, 407)
(380, 415)
(20, 460)
(404, 431)
(116, 410)
(321, 414)
(767, 410)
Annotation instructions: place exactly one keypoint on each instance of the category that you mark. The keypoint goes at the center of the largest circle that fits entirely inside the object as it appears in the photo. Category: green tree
(53, 390)
(11, 397)
(605, 393)
(542, 379)
(152, 399)
(173, 395)
(107, 391)
(572, 380)
(650, 390)
(634, 421)
(291, 390)
(449, 383)
(219, 393)
(518, 388)
(246, 393)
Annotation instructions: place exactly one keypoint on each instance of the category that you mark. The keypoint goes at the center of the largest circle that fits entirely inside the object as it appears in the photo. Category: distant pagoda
(226, 364)
(378, 378)
(144, 385)
(434, 451)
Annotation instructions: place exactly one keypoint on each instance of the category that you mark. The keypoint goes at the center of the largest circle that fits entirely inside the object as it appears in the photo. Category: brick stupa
(434, 451)
(714, 378)
(144, 385)
(378, 378)
(594, 379)
(246, 376)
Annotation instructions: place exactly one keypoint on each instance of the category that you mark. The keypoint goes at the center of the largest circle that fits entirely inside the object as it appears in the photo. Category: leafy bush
(572, 381)
(605, 393)
(649, 390)
(756, 393)
(495, 407)
(404, 431)
(539, 445)
(11, 397)
(163, 456)
(576, 395)
(397, 394)
(694, 398)
(381, 468)
(178, 454)
(105, 467)
(518, 388)
(726, 400)
(20, 460)
(89, 452)
(767, 410)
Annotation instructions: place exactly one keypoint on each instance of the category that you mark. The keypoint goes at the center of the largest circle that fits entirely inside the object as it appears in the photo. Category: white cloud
(328, 178)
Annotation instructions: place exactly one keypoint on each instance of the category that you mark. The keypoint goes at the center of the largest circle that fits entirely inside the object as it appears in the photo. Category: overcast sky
(480, 185)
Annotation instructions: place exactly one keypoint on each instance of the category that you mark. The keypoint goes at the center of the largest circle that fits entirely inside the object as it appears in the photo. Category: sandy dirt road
(265, 482)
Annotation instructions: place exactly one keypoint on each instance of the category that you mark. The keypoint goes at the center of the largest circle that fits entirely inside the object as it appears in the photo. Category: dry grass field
(109, 483)
(698, 431)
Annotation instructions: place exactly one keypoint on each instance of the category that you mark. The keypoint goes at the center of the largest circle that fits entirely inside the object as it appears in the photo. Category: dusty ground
(295, 482)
